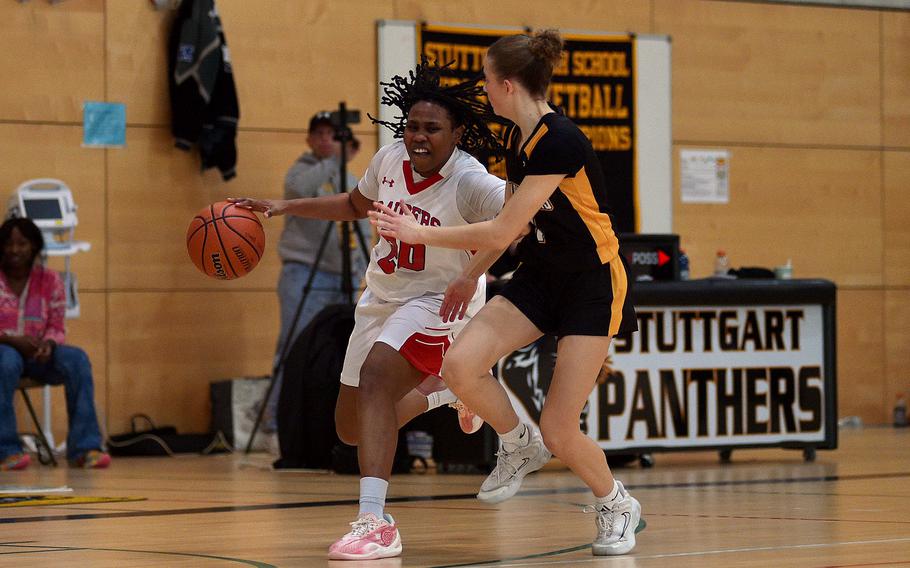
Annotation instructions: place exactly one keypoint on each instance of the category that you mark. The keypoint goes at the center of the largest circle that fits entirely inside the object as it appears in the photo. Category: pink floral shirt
(40, 311)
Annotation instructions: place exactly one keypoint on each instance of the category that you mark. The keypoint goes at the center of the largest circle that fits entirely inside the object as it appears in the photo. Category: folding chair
(45, 451)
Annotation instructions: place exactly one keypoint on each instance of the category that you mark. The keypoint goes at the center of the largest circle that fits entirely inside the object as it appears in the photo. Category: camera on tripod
(341, 118)
(349, 117)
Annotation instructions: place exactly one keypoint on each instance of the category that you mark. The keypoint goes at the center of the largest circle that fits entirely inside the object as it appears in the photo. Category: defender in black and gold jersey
(572, 280)
(571, 283)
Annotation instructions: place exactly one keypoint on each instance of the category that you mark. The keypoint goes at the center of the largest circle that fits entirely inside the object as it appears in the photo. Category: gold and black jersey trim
(620, 284)
(580, 194)
(509, 136)
(533, 140)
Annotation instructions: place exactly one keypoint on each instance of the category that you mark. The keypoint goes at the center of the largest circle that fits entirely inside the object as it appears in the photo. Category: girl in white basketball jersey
(402, 327)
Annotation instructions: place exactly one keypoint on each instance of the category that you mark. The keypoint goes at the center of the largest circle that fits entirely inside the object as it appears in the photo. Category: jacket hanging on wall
(204, 107)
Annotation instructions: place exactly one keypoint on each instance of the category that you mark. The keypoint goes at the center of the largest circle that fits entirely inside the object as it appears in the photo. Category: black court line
(517, 558)
(229, 509)
(43, 548)
(450, 497)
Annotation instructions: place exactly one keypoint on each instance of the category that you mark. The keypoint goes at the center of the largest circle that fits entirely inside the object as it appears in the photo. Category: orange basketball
(225, 241)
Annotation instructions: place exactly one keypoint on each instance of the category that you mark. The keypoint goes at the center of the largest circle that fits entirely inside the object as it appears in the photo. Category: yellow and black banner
(594, 85)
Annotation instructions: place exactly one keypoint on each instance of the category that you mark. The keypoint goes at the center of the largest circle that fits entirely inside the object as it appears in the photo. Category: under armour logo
(389, 182)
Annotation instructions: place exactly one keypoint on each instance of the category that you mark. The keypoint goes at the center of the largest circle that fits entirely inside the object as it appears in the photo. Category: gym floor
(767, 507)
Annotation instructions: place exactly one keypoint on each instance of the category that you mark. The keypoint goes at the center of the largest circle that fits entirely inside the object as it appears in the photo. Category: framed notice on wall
(704, 176)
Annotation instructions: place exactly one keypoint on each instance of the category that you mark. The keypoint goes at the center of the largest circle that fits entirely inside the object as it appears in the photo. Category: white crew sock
(437, 399)
(612, 495)
(517, 438)
(372, 495)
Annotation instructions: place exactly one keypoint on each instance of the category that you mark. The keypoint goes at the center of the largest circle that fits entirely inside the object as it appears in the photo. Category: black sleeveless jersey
(573, 229)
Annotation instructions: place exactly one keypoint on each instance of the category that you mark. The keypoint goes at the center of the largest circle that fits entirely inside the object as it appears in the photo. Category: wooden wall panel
(89, 331)
(281, 79)
(860, 355)
(587, 15)
(897, 354)
(896, 79)
(169, 346)
(821, 208)
(51, 59)
(156, 189)
(136, 60)
(292, 58)
(756, 72)
(897, 212)
(31, 151)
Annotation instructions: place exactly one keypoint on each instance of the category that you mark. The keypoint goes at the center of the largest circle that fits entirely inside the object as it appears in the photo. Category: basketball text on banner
(594, 85)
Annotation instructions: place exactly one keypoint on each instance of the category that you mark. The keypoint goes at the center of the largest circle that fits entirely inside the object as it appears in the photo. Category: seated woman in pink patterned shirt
(32, 307)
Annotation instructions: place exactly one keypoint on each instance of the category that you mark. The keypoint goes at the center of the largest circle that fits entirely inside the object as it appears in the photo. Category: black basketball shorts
(589, 302)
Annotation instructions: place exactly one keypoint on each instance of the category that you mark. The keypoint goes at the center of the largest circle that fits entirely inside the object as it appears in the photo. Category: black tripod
(340, 119)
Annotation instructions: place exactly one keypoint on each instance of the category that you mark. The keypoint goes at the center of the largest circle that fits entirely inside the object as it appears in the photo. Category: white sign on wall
(704, 176)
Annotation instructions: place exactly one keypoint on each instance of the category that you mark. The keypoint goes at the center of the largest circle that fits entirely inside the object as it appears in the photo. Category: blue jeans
(69, 366)
(326, 290)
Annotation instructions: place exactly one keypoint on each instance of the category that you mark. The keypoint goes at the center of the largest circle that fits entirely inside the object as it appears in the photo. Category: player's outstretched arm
(496, 234)
(338, 207)
(268, 207)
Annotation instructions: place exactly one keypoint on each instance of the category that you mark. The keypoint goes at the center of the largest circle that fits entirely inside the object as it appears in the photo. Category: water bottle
(683, 265)
(721, 264)
(784, 272)
(900, 411)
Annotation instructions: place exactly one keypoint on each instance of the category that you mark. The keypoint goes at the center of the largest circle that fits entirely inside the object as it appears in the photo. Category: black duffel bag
(309, 392)
(163, 441)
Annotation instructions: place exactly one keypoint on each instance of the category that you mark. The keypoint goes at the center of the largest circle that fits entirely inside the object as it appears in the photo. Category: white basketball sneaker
(512, 465)
(616, 522)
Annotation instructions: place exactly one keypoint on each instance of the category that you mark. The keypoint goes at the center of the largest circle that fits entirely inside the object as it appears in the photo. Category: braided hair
(461, 100)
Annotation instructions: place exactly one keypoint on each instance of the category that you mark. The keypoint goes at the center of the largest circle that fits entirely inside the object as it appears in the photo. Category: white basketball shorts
(415, 329)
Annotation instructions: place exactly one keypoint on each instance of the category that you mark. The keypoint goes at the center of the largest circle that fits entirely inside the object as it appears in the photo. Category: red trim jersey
(462, 192)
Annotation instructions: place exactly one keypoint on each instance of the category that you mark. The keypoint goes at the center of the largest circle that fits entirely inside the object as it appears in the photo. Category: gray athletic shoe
(617, 522)
(512, 466)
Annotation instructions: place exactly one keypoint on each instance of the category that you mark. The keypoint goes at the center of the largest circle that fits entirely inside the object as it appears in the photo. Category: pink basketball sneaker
(468, 421)
(370, 538)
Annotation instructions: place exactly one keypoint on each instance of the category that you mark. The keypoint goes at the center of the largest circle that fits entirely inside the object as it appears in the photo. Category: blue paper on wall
(103, 124)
